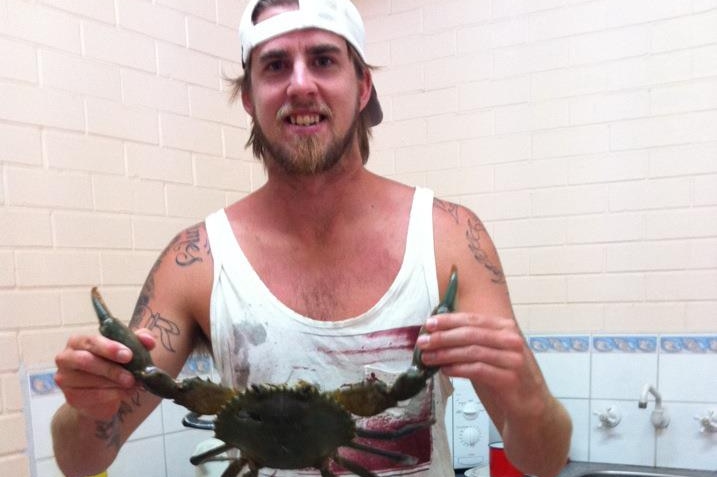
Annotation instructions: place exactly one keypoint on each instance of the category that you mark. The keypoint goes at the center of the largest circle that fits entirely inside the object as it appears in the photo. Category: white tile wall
(612, 372)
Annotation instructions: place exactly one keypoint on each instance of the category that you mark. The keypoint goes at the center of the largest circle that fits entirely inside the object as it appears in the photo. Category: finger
(473, 353)
(447, 321)
(480, 372)
(74, 379)
(82, 368)
(146, 338)
(101, 346)
(508, 339)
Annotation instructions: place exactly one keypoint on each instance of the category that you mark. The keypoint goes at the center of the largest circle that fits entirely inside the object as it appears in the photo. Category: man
(324, 274)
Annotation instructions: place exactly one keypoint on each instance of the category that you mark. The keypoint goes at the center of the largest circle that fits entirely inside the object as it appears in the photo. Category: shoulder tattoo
(476, 234)
(447, 207)
(187, 248)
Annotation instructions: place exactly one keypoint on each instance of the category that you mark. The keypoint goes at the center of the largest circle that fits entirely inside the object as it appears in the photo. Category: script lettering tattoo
(448, 207)
(188, 250)
(109, 431)
(188, 247)
(473, 233)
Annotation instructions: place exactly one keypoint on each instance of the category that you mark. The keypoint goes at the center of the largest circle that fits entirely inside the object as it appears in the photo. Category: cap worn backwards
(336, 16)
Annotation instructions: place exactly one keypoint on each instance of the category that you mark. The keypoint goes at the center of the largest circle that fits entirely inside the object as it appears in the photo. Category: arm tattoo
(188, 250)
(473, 234)
(448, 207)
(475, 229)
(188, 247)
(144, 317)
(109, 431)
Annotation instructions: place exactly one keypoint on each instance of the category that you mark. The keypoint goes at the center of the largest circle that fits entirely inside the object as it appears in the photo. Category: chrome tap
(659, 417)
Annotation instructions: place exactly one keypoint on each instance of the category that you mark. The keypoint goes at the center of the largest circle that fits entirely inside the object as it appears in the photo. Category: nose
(301, 82)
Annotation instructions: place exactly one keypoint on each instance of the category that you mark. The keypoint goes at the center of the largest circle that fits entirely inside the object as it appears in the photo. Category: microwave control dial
(470, 410)
(470, 436)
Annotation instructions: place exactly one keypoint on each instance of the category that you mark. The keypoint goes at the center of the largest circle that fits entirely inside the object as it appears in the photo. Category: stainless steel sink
(629, 473)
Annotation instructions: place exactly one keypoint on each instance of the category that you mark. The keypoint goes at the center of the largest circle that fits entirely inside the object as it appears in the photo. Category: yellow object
(103, 474)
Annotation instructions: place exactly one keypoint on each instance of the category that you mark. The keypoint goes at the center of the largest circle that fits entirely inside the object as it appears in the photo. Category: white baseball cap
(336, 16)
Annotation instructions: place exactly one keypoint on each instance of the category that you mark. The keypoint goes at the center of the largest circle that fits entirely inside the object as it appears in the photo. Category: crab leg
(197, 395)
(395, 456)
(403, 431)
(206, 455)
(352, 466)
(371, 397)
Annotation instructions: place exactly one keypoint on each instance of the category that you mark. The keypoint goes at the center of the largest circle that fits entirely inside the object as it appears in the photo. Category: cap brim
(373, 109)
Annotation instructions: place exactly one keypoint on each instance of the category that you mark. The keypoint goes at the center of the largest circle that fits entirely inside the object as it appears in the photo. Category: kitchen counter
(576, 469)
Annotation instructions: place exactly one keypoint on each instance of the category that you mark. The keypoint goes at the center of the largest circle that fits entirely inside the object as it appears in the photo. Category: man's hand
(90, 373)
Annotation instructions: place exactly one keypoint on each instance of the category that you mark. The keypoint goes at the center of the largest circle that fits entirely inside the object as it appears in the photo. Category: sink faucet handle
(609, 417)
(659, 418)
(708, 422)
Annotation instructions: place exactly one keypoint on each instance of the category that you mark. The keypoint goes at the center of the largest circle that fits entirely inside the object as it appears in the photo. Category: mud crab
(280, 426)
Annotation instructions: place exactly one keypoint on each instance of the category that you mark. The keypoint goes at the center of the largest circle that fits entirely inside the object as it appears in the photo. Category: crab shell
(285, 427)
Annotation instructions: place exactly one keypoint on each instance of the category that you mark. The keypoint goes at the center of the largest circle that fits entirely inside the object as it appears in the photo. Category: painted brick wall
(582, 132)
(115, 133)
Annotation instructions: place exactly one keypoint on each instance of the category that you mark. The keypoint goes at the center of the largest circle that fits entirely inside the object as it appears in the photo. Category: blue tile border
(42, 384)
(694, 344)
(197, 365)
(625, 344)
(685, 343)
(559, 344)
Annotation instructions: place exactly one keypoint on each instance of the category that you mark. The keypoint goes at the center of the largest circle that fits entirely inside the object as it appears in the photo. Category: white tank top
(257, 339)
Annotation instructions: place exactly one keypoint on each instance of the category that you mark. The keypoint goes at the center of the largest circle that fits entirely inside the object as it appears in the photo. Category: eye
(274, 66)
(324, 61)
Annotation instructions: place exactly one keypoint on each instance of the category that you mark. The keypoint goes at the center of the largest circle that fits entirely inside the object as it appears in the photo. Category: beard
(305, 155)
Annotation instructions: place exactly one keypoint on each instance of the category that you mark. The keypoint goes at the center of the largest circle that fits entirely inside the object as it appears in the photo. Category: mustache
(300, 108)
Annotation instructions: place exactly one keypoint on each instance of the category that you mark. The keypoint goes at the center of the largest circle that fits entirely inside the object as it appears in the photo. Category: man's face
(305, 99)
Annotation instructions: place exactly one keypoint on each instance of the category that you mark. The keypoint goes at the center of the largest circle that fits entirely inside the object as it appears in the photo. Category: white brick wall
(584, 135)
(115, 132)
(581, 131)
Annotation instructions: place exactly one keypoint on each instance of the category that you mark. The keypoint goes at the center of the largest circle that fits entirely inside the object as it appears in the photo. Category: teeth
(304, 119)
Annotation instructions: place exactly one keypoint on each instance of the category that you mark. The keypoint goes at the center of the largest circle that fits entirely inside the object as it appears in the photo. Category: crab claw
(114, 329)
(196, 394)
(414, 379)
(373, 396)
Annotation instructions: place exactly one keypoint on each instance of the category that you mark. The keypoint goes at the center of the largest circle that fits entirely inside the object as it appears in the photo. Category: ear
(365, 87)
(247, 103)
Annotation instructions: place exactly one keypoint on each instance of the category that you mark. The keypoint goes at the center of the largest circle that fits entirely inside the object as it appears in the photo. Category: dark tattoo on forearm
(448, 207)
(475, 229)
(110, 431)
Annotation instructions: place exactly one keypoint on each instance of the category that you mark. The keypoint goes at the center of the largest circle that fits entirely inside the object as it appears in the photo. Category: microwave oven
(467, 426)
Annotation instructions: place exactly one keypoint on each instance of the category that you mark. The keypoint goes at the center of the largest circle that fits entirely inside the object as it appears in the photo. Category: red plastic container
(499, 464)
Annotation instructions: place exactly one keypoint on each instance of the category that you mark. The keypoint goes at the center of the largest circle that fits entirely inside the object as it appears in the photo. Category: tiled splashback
(606, 374)
(589, 374)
